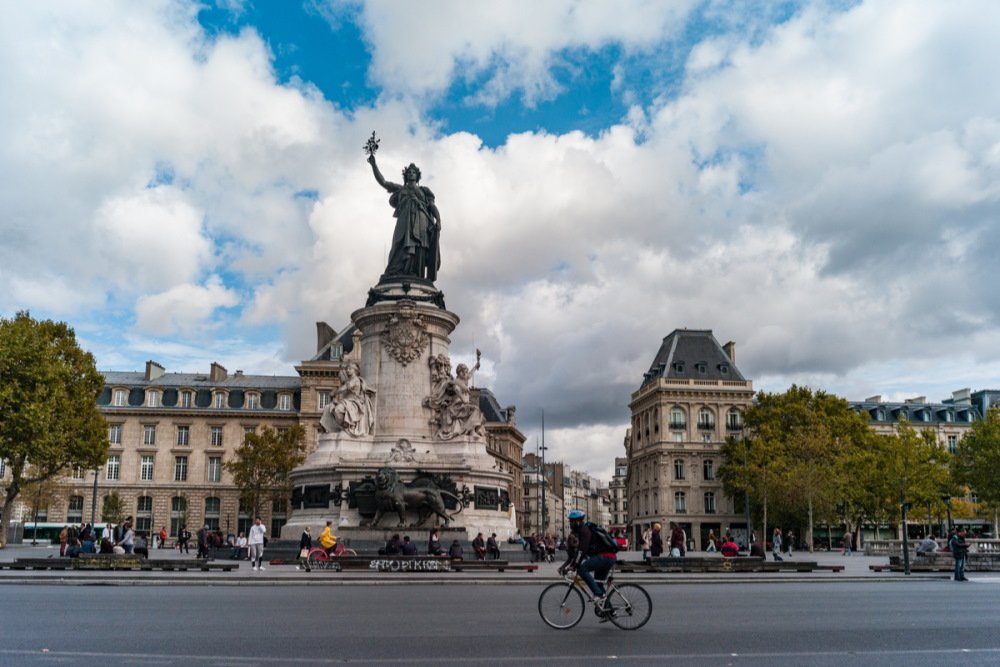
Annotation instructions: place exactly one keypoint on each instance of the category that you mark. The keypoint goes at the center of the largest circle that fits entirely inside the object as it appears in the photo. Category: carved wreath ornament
(406, 336)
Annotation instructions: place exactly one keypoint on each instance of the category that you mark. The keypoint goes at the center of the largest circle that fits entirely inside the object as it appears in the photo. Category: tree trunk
(810, 538)
(8, 509)
(764, 527)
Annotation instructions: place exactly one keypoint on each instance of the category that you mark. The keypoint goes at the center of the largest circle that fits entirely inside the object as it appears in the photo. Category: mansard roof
(337, 346)
(918, 412)
(490, 406)
(692, 354)
(202, 380)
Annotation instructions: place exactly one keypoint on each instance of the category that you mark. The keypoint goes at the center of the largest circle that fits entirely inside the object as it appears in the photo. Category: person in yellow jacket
(327, 539)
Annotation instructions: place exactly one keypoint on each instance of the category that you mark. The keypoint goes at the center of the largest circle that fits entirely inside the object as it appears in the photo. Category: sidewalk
(855, 569)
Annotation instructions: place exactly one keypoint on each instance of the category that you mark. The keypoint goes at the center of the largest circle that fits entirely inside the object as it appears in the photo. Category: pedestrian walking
(183, 538)
(677, 539)
(256, 544)
(848, 540)
(305, 544)
(789, 538)
(776, 544)
(656, 541)
(959, 551)
(647, 542)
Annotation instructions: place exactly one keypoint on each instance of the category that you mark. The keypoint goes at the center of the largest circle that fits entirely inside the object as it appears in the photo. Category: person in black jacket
(959, 551)
(393, 547)
(305, 544)
(591, 558)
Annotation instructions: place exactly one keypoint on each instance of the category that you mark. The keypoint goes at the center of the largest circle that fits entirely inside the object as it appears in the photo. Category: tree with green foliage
(977, 460)
(907, 466)
(49, 421)
(795, 442)
(262, 465)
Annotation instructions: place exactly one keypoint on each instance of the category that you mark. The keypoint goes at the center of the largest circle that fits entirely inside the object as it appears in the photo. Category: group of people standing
(653, 544)
(88, 539)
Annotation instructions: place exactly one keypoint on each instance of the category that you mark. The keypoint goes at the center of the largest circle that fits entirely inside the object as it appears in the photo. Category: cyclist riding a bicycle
(591, 557)
(327, 539)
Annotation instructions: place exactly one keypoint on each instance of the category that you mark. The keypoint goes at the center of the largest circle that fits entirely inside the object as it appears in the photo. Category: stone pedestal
(404, 338)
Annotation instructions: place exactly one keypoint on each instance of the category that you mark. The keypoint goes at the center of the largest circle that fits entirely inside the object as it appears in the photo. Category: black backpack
(601, 539)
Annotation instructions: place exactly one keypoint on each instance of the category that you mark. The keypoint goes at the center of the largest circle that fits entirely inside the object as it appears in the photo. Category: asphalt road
(905, 623)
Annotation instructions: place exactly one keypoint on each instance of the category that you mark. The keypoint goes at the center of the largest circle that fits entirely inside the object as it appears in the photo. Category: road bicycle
(562, 605)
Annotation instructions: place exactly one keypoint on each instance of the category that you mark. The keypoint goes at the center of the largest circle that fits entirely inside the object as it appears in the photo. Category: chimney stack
(730, 350)
(153, 370)
(218, 372)
(324, 334)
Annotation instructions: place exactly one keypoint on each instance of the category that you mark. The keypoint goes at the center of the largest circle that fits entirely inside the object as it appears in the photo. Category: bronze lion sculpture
(392, 495)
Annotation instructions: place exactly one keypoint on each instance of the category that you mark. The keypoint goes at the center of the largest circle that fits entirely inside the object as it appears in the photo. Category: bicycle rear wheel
(631, 606)
(561, 606)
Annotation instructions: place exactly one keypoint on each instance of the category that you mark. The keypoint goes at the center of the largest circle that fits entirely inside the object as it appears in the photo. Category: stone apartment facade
(618, 495)
(690, 400)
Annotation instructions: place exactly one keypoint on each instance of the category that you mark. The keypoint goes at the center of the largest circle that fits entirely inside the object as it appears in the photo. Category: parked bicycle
(562, 605)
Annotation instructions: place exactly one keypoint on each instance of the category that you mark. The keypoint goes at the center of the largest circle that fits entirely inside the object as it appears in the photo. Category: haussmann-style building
(692, 397)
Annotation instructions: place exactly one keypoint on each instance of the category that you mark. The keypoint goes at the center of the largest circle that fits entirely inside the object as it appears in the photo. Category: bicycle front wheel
(631, 606)
(561, 606)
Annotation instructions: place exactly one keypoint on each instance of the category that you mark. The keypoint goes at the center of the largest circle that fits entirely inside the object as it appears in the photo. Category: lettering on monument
(487, 497)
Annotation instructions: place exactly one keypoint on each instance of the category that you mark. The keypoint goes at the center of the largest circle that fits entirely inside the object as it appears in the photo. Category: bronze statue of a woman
(415, 251)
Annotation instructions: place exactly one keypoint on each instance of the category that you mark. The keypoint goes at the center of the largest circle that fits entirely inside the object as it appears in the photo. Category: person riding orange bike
(592, 557)
(328, 540)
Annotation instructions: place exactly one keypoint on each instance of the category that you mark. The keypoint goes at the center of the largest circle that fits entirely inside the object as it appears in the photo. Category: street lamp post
(947, 504)
(38, 500)
(93, 498)
(746, 492)
(544, 477)
(904, 507)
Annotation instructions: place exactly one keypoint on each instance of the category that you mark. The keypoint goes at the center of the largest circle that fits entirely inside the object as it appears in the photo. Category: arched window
(706, 419)
(213, 509)
(178, 514)
(144, 514)
(74, 511)
(734, 420)
(709, 502)
(678, 419)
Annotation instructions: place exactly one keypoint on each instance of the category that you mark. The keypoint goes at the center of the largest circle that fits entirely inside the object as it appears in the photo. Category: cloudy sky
(817, 181)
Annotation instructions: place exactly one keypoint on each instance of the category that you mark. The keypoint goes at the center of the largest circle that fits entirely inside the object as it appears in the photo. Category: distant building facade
(563, 489)
(949, 420)
(692, 397)
(618, 495)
